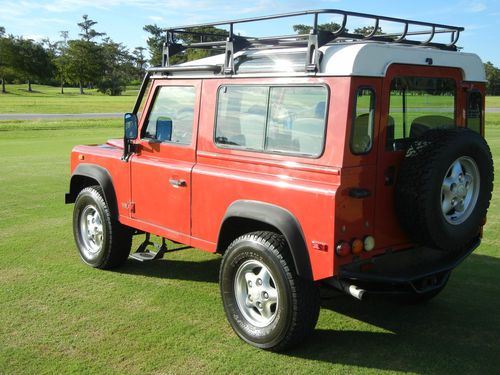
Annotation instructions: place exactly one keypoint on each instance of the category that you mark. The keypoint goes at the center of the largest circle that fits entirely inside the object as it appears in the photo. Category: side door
(165, 156)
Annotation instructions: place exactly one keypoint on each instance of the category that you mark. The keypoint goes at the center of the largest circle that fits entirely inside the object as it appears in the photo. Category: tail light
(369, 243)
(343, 248)
(357, 246)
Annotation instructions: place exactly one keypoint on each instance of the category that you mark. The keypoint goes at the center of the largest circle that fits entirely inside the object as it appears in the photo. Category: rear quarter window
(363, 122)
(274, 119)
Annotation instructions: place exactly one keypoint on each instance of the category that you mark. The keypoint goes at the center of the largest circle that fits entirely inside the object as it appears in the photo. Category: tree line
(94, 60)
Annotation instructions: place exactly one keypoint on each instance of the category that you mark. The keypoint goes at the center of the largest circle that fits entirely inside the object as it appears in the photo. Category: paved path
(57, 116)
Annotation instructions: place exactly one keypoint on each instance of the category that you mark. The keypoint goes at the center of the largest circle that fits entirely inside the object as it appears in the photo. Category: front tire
(101, 240)
(267, 304)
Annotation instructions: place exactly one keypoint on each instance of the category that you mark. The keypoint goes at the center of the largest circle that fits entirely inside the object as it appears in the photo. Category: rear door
(415, 99)
(161, 167)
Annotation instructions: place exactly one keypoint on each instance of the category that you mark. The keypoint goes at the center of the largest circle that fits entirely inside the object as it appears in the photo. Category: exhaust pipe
(356, 292)
(347, 288)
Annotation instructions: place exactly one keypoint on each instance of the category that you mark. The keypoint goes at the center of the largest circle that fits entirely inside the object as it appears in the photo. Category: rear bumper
(415, 270)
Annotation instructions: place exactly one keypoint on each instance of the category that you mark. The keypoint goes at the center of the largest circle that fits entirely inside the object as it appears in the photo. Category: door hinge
(129, 206)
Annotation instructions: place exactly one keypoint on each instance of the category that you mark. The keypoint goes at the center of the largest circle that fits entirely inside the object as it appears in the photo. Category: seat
(164, 128)
(423, 123)
(310, 133)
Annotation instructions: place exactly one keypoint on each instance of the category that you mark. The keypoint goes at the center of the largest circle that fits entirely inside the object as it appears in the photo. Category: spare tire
(444, 188)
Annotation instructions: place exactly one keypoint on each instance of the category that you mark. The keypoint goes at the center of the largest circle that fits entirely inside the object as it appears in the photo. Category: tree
(7, 60)
(31, 60)
(368, 30)
(493, 78)
(84, 59)
(61, 60)
(2, 31)
(88, 33)
(158, 38)
(139, 60)
(305, 29)
(211, 34)
(118, 66)
(155, 43)
(84, 62)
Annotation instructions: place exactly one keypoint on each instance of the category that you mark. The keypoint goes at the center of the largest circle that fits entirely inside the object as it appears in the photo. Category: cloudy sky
(123, 20)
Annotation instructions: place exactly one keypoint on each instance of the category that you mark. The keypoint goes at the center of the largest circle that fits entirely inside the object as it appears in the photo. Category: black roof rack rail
(231, 43)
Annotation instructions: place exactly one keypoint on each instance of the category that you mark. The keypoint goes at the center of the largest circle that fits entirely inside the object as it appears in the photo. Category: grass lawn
(61, 316)
(493, 101)
(46, 99)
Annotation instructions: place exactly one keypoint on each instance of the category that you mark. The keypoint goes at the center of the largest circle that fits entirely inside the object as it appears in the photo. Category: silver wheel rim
(91, 231)
(460, 190)
(256, 293)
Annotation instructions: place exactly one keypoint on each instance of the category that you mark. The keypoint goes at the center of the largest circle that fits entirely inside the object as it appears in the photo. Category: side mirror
(131, 127)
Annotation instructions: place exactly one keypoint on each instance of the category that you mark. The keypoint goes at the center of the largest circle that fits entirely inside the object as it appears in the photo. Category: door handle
(359, 193)
(177, 182)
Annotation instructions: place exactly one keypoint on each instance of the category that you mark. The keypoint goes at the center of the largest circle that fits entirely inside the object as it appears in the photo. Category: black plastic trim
(281, 219)
(102, 177)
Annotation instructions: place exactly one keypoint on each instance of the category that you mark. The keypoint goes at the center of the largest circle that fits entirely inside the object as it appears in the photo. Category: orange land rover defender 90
(353, 160)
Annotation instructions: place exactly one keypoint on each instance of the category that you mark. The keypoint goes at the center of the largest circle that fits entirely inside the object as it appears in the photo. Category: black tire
(422, 198)
(297, 309)
(109, 244)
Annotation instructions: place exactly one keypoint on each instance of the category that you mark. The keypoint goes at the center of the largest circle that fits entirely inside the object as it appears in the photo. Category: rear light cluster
(356, 246)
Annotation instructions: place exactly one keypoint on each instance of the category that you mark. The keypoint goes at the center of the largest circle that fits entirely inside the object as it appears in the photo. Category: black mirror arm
(127, 145)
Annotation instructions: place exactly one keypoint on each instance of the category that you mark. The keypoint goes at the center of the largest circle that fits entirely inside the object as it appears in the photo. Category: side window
(172, 114)
(418, 104)
(241, 116)
(296, 122)
(363, 122)
(288, 119)
(474, 111)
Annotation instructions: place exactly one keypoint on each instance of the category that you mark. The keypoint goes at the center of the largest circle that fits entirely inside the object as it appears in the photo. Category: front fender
(84, 175)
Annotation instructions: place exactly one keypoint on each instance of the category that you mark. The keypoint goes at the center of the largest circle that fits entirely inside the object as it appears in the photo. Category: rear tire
(101, 240)
(267, 304)
(444, 188)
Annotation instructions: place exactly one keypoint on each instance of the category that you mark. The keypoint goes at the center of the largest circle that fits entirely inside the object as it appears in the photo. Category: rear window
(418, 104)
(275, 119)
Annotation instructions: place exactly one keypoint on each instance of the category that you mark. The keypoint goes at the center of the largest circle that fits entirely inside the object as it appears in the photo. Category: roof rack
(313, 41)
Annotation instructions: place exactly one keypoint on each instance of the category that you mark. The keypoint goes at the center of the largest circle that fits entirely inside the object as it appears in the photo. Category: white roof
(373, 59)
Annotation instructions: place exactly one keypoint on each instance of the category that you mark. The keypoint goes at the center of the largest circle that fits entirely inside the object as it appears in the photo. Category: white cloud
(156, 18)
(35, 37)
(474, 7)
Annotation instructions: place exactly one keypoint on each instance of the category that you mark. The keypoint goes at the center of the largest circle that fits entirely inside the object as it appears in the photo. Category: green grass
(60, 316)
(493, 102)
(46, 99)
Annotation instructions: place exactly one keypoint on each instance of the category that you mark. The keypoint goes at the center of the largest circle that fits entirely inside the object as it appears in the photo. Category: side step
(143, 254)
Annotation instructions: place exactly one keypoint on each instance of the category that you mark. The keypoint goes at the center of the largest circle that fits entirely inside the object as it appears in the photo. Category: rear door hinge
(129, 206)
